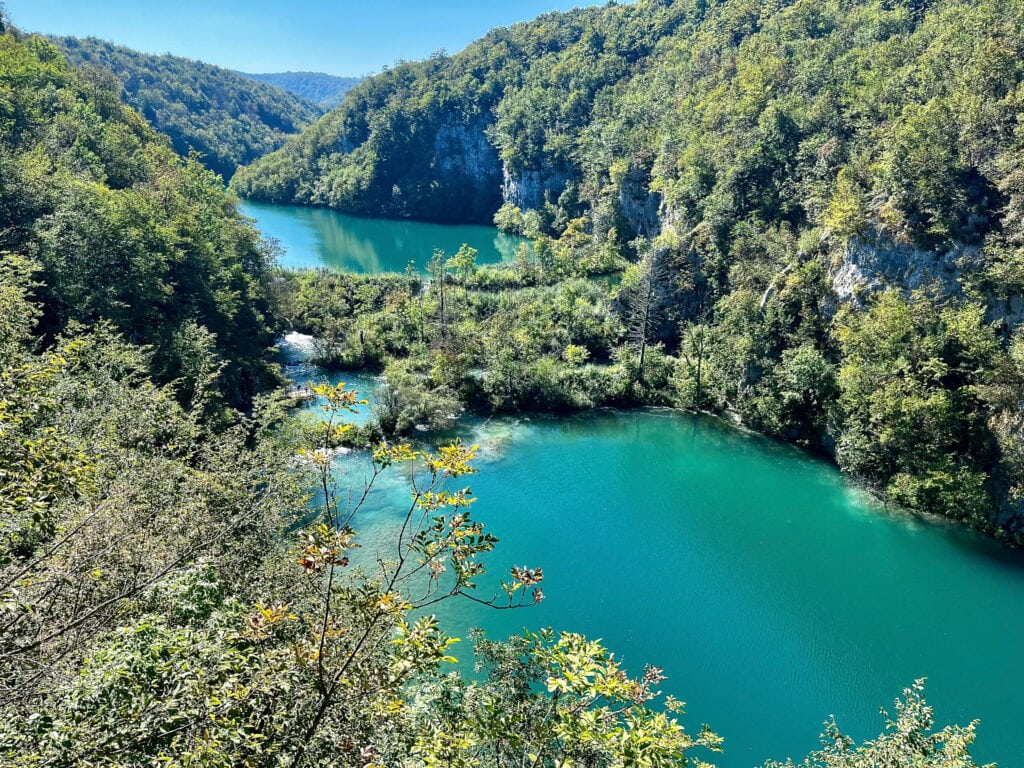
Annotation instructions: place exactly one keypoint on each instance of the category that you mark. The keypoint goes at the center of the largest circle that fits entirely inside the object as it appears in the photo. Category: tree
(122, 491)
(913, 421)
(846, 215)
(644, 303)
(795, 399)
(908, 741)
(691, 373)
(552, 699)
(463, 262)
(438, 269)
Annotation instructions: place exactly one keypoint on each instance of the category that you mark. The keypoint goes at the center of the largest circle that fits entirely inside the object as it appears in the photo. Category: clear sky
(343, 37)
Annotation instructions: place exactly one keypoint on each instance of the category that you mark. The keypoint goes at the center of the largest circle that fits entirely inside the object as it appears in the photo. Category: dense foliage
(170, 592)
(822, 200)
(326, 90)
(126, 233)
(225, 116)
(908, 741)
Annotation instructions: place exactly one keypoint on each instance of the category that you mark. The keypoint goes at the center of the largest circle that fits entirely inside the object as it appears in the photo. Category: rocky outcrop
(530, 188)
(462, 150)
(468, 173)
(874, 262)
(640, 207)
(1009, 311)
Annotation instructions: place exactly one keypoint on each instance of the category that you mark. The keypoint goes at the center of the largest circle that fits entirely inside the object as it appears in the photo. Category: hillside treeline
(325, 90)
(227, 117)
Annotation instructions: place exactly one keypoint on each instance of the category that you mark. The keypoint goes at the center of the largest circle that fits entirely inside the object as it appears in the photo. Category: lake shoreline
(825, 536)
(728, 420)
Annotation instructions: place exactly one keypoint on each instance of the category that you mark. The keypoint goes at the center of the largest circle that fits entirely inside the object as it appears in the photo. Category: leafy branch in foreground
(908, 741)
(347, 620)
(552, 700)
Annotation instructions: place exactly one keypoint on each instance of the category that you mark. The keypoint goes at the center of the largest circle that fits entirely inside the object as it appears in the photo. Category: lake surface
(772, 593)
(319, 237)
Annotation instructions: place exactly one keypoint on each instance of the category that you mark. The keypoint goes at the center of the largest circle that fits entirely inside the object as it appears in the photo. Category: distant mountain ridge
(228, 118)
(326, 90)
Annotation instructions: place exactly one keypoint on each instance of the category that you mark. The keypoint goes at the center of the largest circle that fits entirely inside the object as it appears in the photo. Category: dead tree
(645, 305)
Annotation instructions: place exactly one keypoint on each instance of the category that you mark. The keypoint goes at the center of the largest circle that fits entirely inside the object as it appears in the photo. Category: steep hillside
(326, 90)
(123, 233)
(420, 139)
(228, 118)
(825, 201)
(725, 110)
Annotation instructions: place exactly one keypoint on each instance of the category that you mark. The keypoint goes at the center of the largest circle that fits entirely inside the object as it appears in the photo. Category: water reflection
(318, 237)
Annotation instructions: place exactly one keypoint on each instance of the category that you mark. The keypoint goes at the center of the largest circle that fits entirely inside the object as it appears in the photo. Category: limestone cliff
(464, 159)
(874, 262)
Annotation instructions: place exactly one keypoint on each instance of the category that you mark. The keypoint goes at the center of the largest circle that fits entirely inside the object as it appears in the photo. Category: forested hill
(326, 90)
(824, 200)
(901, 113)
(116, 233)
(228, 118)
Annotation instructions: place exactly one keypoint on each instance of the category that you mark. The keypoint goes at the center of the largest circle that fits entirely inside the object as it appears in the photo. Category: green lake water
(772, 593)
(320, 237)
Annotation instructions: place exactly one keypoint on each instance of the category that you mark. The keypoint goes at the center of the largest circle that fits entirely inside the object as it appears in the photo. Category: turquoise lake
(320, 237)
(772, 593)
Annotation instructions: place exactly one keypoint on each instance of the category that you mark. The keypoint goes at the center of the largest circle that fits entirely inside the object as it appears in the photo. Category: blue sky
(344, 37)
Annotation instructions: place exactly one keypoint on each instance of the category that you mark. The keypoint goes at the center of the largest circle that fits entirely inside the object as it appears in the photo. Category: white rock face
(1009, 310)
(527, 188)
(873, 263)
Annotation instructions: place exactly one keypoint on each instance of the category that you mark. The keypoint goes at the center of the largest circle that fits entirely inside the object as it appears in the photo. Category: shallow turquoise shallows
(772, 593)
(319, 237)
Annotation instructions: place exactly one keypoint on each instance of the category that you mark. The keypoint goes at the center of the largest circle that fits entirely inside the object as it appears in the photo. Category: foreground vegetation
(170, 591)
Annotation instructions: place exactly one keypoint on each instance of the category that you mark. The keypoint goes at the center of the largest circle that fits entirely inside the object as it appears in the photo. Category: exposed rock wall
(467, 165)
(1009, 311)
(640, 207)
(462, 150)
(872, 263)
(530, 188)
